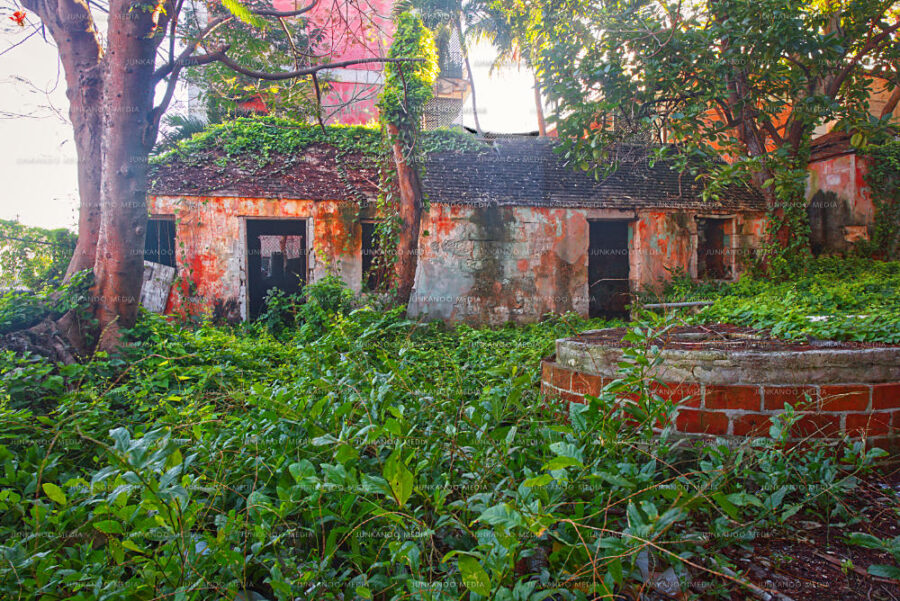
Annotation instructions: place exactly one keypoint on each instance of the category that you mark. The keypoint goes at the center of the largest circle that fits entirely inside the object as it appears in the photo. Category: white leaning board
(158, 280)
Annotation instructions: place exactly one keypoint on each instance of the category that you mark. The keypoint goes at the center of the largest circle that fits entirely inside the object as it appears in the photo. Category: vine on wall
(884, 180)
(407, 88)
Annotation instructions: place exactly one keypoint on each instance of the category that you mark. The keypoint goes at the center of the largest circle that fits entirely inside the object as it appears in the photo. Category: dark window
(159, 244)
(608, 269)
(372, 270)
(713, 254)
(276, 258)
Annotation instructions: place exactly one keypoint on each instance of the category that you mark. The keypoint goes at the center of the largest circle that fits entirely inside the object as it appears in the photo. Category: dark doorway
(372, 271)
(608, 269)
(713, 256)
(276, 258)
(159, 243)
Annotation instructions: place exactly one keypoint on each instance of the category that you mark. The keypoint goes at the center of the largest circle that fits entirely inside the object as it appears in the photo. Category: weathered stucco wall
(497, 264)
(490, 264)
(210, 242)
(477, 263)
(665, 243)
(838, 192)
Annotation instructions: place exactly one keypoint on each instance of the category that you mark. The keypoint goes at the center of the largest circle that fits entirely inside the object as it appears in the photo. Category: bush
(33, 257)
(859, 298)
(312, 310)
(384, 458)
(20, 310)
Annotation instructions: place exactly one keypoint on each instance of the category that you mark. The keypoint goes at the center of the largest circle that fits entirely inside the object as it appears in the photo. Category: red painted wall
(350, 30)
(477, 263)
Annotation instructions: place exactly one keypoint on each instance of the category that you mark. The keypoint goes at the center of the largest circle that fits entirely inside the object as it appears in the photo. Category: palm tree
(505, 28)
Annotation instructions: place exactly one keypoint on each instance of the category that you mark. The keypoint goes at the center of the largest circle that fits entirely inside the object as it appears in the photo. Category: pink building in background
(350, 29)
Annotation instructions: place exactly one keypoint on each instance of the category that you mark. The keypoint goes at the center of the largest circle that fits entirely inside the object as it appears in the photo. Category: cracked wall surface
(478, 263)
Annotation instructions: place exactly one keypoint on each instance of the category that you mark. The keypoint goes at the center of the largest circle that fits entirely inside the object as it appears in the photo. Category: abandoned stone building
(510, 233)
(840, 207)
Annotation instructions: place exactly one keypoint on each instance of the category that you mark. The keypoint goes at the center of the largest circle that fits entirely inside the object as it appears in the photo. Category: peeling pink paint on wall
(845, 176)
(477, 263)
(211, 246)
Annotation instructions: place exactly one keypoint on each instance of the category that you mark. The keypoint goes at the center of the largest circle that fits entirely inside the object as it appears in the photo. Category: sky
(37, 154)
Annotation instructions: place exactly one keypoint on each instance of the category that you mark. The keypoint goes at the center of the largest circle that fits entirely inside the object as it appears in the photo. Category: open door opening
(159, 243)
(608, 269)
(276, 258)
(373, 271)
(713, 254)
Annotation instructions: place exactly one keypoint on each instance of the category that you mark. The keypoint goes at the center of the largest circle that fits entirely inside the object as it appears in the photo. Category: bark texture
(128, 136)
(410, 212)
(80, 53)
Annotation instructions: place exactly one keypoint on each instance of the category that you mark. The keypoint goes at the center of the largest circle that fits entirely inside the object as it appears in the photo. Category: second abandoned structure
(510, 233)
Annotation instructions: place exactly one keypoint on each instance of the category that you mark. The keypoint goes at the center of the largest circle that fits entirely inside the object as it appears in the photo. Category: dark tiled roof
(315, 174)
(832, 144)
(524, 172)
(529, 173)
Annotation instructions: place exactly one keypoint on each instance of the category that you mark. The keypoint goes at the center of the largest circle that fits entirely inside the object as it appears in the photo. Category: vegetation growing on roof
(265, 136)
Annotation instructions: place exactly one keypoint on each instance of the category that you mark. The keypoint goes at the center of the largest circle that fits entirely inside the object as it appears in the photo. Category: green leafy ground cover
(859, 297)
(354, 455)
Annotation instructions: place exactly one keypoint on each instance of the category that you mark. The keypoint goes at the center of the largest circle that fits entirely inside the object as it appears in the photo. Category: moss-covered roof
(265, 157)
(280, 158)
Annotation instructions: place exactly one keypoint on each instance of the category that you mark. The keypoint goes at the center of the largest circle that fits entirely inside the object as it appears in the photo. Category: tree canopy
(744, 80)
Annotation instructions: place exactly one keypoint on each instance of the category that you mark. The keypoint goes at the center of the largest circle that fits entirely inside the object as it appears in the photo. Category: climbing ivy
(407, 88)
(408, 85)
(884, 180)
(265, 136)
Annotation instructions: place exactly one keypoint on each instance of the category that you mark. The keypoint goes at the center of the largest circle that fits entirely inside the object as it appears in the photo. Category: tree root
(44, 339)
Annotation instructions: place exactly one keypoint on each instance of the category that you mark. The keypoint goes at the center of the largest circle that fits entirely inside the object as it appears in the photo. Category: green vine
(266, 137)
(884, 181)
(786, 249)
(408, 87)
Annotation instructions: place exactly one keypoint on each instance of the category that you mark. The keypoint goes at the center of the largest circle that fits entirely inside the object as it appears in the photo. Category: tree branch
(237, 67)
(186, 55)
(200, 59)
(770, 129)
(835, 84)
(280, 14)
(891, 103)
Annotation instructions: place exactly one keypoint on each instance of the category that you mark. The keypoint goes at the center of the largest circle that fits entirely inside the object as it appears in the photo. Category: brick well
(834, 390)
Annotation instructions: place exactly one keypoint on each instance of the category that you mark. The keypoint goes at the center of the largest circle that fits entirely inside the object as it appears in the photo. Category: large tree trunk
(410, 212)
(128, 136)
(80, 53)
(88, 135)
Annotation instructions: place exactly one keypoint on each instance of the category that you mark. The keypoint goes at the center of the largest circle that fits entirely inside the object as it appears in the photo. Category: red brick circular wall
(853, 389)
